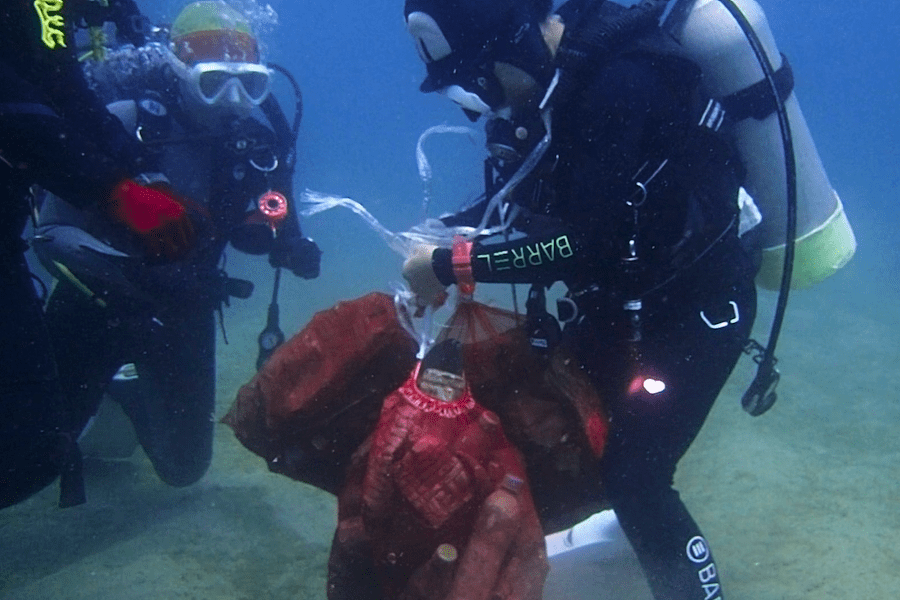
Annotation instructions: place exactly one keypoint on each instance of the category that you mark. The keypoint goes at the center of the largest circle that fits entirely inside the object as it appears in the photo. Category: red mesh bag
(548, 406)
(438, 472)
(318, 396)
(423, 462)
(508, 376)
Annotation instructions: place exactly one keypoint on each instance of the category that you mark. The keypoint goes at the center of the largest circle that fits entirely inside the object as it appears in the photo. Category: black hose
(271, 336)
(760, 396)
(298, 109)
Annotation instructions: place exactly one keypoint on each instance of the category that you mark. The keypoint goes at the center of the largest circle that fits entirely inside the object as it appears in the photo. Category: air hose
(298, 114)
(761, 395)
(272, 336)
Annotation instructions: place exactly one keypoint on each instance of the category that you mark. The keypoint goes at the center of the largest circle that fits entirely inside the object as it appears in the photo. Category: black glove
(298, 254)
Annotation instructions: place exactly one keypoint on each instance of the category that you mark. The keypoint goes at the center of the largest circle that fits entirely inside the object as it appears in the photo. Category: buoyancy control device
(824, 240)
(805, 235)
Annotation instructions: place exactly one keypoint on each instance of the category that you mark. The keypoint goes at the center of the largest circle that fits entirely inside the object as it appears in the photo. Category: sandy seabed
(801, 503)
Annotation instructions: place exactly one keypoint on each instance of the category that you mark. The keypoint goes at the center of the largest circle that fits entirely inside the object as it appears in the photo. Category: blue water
(801, 503)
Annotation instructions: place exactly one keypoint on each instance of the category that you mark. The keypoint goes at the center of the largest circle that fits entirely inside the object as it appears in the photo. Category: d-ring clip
(643, 199)
(725, 323)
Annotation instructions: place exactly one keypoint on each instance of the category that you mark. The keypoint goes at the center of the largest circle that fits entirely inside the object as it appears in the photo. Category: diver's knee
(182, 475)
(183, 470)
(28, 467)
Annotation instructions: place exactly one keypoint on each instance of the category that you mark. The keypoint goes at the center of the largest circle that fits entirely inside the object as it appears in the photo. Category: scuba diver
(603, 164)
(55, 133)
(191, 102)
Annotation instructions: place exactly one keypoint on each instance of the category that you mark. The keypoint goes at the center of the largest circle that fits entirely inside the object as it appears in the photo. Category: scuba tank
(824, 240)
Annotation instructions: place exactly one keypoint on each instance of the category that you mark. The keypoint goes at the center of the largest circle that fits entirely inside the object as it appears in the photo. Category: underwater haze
(802, 503)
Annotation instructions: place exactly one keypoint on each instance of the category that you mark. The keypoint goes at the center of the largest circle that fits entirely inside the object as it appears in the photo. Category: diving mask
(214, 81)
(475, 89)
(469, 101)
(464, 42)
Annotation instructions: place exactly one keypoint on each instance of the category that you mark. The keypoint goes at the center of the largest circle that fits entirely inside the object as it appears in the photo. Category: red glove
(153, 213)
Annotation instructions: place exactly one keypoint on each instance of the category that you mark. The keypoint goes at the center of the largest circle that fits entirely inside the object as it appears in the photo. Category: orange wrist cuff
(462, 265)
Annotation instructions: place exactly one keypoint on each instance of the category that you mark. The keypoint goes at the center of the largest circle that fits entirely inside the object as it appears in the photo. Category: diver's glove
(300, 255)
(419, 273)
(154, 214)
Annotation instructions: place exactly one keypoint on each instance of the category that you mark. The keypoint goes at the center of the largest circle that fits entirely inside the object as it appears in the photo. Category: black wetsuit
(53, 132)
(163, 320)
(662, 283)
